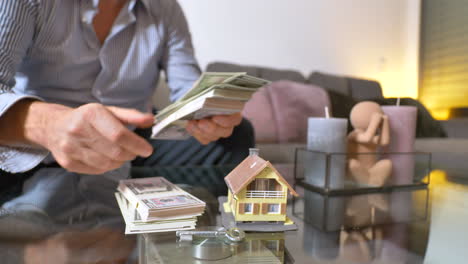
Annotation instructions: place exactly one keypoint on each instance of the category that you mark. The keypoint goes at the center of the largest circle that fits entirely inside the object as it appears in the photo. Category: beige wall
(377, 39)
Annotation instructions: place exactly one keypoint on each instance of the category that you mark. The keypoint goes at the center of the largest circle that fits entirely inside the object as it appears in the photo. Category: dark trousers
(189, 152)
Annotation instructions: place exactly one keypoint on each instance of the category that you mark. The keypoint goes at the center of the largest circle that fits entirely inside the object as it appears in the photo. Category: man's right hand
(93, 138)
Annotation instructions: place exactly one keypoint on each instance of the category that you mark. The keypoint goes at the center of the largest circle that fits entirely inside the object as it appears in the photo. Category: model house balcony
(265, 194)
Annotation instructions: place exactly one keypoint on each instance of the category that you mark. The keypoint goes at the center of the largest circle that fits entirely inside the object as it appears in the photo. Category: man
(90, 67)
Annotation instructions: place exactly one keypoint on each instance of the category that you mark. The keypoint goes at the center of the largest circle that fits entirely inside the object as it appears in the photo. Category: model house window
(273, 208)
(263, 185)
(248, 208)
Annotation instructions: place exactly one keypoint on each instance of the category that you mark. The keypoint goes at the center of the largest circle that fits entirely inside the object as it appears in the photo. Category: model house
(257, 191)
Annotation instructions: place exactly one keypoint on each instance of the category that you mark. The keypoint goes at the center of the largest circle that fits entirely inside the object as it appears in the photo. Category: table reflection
(263, 248)
(367, 245)
(255, 248)
(364, 228)
(30, 237)
(93, 246)
(352, 211)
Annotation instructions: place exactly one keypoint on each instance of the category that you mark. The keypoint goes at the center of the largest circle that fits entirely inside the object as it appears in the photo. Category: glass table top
(408, 225)
(419, 225)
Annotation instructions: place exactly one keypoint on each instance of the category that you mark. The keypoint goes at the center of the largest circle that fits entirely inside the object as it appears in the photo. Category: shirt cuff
(23, 158)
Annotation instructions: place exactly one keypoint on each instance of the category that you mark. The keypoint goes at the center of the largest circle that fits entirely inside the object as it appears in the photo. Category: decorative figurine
(257, 197)
(371, 132)
(367, 210)
(361, 246)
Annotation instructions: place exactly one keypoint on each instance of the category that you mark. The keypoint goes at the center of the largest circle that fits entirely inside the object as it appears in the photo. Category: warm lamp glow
(439, 178)
(394, 86)
(440, 114)
(440, 98)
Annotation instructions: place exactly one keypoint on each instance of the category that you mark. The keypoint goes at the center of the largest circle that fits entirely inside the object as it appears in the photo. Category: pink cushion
(280, 110)
(260, 112)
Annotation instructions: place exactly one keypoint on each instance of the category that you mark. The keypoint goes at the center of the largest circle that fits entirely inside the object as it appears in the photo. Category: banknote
(191, 105)
(145, 186)
(247, 81)
(170, 201)
(174, 131)
(207, 80)
(131, 214)
(135, 225)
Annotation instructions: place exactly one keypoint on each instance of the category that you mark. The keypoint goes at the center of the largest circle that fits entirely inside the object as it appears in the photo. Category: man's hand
(93, 139)
(214, 128)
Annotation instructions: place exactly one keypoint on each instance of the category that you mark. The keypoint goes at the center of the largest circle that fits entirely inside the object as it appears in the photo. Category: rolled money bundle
(215, 93)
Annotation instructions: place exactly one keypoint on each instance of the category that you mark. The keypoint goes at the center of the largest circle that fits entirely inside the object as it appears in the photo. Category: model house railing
(264, 194)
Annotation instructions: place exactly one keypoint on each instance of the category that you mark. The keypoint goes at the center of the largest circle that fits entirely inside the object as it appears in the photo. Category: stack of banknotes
(151, 205)
(215, 93)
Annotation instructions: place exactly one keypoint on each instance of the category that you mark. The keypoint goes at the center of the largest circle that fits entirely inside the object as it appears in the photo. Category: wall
(375, 39)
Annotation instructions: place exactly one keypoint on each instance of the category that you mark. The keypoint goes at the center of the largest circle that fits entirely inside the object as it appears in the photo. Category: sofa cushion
(362, 89)
(259, 111)
(334, 83)
(258, 71)
(279, 111)
(278, 75)
(357, 88)
(229, 67)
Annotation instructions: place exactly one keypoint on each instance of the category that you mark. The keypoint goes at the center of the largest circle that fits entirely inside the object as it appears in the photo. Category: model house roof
(246, 171)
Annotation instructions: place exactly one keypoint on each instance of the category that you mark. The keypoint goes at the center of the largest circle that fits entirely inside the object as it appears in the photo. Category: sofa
(299, 97)
(350, 87)
(357, 88)
(278, 141)
(448, 143)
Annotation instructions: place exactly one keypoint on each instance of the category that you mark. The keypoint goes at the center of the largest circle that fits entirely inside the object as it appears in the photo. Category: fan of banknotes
(215, 93)
(150, 205)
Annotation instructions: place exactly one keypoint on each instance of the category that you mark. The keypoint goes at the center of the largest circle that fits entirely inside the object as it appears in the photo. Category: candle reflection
(360, 228)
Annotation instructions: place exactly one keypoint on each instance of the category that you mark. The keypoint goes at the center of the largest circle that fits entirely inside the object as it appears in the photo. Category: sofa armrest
(456, 128)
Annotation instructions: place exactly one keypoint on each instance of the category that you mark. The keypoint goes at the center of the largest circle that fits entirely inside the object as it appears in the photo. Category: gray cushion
(229, 67)
(362, 89)
(279, 75)
(359, 89)
(335, 83)
(258, 71)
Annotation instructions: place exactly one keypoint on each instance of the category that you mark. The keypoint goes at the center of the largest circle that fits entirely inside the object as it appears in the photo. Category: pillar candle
(327, 135)
(402, 121)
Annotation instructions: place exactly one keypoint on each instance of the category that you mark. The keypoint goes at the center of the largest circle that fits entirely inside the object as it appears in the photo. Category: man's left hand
(214, 128)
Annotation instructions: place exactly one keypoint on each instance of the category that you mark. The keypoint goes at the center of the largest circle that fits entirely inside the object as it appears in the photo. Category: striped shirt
(49, 51)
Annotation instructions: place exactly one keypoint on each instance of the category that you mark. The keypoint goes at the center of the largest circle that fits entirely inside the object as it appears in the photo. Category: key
(233, 234)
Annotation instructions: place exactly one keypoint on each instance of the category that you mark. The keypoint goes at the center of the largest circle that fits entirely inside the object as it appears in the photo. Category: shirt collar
(146, 3)
(95, 4)
(91, 11)
(131, 7)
